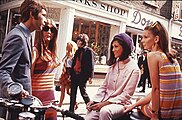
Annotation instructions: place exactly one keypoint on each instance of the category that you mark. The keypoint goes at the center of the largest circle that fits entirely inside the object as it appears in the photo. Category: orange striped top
(170, 91)
(43, 77)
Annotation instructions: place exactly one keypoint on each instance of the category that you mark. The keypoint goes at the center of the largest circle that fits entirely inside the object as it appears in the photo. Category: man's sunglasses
(46, 29)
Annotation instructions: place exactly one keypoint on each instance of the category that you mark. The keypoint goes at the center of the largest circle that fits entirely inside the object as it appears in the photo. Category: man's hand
(24, 94)
(89, 104)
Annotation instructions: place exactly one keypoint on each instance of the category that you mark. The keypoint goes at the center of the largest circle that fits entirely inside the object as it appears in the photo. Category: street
(91, 90)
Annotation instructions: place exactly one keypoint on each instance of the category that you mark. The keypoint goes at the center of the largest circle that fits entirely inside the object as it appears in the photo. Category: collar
(27, 31)
(122, 64)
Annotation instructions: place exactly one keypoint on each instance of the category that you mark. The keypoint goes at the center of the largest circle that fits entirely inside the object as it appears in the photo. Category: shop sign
(180, 34)
(176, 31)
(139, 19)
(102, 6)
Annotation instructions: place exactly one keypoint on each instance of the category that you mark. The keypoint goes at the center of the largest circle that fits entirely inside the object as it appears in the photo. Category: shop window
(178, 48)
(14, 18)
(3, 20)
(98, 34)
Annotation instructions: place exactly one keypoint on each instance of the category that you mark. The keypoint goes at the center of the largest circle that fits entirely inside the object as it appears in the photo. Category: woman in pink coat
(120, 82)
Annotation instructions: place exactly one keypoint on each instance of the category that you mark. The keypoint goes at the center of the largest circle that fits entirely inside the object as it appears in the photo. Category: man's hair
(32, 6)
(84, 38)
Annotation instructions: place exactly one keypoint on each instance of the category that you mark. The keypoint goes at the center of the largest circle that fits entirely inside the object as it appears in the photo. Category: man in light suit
(16, 58)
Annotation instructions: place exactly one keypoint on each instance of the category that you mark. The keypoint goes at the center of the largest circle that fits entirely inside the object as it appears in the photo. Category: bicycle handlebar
(6, 103)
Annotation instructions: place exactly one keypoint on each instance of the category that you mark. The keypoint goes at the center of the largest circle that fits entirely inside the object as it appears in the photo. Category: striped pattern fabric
(170, 91)
(43, 82)
(43, 86)
(65, 76)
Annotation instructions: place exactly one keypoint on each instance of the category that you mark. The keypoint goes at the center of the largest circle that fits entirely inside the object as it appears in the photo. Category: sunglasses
(46, 29)
(155, 24)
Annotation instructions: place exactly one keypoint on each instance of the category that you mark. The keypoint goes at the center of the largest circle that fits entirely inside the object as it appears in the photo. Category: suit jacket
(119, 84)
(87, 63)
(145, 65)
(15, 63)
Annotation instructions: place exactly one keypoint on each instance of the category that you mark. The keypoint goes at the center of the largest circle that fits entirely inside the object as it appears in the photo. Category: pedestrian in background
(119, 84)
(82, 70)
(164, 101)
(142, 63)
(67, 61)
(44, 66)
(16, 58)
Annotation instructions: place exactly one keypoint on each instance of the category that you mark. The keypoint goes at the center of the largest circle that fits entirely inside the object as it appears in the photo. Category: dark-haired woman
(120, 82)
(165, 99)
(44, 64)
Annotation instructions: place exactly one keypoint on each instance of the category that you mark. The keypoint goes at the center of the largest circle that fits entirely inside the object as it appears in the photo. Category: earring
(153, 46)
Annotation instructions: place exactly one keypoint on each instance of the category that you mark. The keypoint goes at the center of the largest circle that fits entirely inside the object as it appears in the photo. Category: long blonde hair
(71, 48)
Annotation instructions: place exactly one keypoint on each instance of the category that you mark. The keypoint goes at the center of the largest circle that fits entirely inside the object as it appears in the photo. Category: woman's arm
(153, 64)
(140, 102)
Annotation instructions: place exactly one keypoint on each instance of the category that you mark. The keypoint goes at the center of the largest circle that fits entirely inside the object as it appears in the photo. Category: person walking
(16, 58)
(164, 101)
(142, 63)
(82, 70)
(119, 84)
(44, 64)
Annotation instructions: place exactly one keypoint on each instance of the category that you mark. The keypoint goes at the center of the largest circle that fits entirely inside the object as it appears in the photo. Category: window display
(98, 33)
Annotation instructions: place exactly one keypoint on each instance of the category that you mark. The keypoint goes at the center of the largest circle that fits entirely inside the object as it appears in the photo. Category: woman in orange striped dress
(165, 99)
(44, 64)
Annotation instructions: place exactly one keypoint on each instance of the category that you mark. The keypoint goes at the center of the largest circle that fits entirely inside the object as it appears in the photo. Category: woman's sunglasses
(46, 29)
(155, 25)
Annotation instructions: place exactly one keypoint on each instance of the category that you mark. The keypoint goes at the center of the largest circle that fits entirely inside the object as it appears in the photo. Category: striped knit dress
(170, 90)
(43, 86)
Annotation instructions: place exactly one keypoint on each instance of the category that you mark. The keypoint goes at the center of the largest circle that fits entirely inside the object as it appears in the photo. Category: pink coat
(120, 83)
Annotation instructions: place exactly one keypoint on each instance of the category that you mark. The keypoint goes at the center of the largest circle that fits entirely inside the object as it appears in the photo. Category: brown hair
(83, 38)
(127, 44)
(158, 29)
(32, 6)
(47, 53)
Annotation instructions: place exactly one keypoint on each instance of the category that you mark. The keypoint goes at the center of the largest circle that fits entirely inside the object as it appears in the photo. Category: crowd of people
(34, 66)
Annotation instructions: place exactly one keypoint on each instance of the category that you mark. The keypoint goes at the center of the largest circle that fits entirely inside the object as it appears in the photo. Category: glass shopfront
(13, 19)
(98, 33)
(136, 35)
(3, 21)
(177, 45)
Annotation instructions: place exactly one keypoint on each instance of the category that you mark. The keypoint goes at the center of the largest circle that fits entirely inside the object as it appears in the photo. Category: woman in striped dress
(64, 79)
(44, 64)
(165, 99)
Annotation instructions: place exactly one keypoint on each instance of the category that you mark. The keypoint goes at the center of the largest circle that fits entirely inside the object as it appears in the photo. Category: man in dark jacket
(143, 65)
(82, 70)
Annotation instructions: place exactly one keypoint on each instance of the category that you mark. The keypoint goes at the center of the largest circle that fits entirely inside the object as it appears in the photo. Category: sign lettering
(139, 19)
(180, 32)
(103, 6)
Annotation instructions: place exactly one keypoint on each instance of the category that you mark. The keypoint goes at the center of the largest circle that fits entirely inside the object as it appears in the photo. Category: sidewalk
(91, 90)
